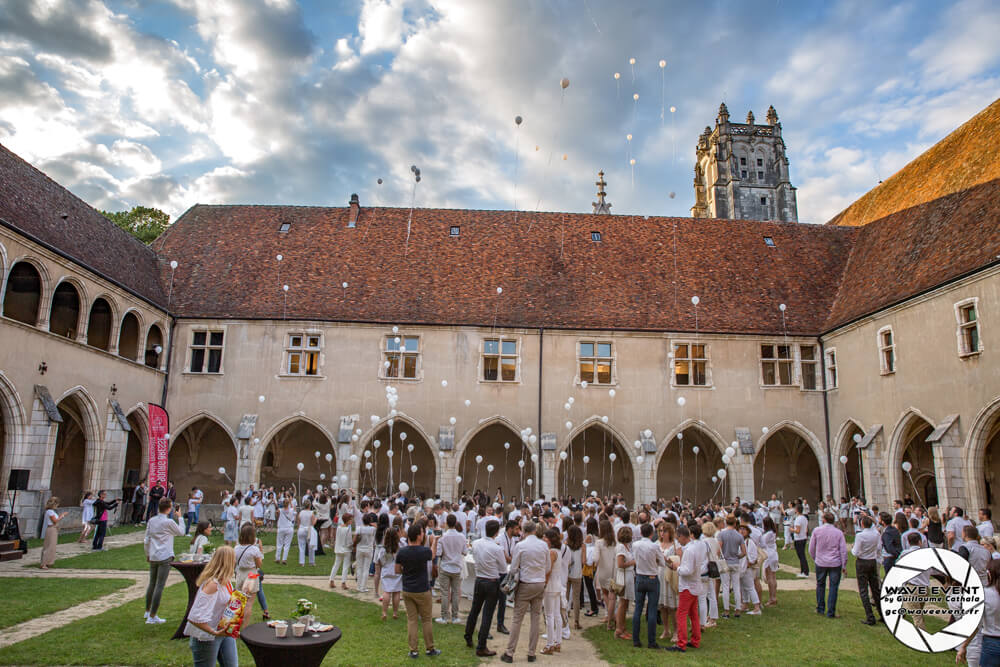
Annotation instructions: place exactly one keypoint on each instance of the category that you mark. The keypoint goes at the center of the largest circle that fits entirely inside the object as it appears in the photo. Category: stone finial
(750, 118)
(723, 113)
(772, 116)
(601, 206)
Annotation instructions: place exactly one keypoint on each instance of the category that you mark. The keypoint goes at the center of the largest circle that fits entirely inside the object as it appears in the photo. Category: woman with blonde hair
(209, 644)
(625, 560)
(87, 509)
(51, 532)
(935, 533)
(606, 568)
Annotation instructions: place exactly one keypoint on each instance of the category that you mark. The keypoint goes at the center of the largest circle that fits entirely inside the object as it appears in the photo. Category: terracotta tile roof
(33, 204)
(551, 272)
(965, 158)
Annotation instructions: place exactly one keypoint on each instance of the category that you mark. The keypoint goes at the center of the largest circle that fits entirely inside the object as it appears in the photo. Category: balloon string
(517, 160)
(663, 96)
(592, 19)
(552, 150)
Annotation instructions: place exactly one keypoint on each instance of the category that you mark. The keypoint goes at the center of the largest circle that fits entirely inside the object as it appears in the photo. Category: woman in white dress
(87, 507)
(392, 583)
(625, 560)
(786, 522)
(286, 528)
(306, 541)
(554, 590)
(231, 532)
(668, 583)
(769, 541)
(365, 536)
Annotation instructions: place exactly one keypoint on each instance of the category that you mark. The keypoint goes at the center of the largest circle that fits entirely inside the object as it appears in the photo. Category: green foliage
(142, 222)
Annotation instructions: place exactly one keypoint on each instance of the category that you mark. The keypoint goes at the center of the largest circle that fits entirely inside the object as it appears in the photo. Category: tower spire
(601, 207)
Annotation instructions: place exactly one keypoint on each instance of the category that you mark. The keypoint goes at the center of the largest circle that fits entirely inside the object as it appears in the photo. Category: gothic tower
(741, 171)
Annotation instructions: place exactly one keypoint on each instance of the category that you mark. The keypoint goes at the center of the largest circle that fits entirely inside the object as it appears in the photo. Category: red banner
(159, 429)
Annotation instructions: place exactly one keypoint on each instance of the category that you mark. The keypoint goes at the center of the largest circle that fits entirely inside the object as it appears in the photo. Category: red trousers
(688, 606)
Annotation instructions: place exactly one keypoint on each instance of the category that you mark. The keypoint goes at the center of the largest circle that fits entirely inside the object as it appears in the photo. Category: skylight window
(595, 236)
(455, 230)
(285, 226)
(769, 242)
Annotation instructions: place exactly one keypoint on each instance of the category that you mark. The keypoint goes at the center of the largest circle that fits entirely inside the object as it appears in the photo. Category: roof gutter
(826, 416)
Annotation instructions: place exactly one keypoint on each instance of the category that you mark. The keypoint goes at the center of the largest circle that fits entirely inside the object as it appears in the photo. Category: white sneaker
(145, 616)
(802, 576)
(157, 620)
(565, 633)
(456, 620)
(753, 613)
(440, 619)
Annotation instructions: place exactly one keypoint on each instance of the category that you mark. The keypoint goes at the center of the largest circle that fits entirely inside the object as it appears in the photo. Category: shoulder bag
(618, 581)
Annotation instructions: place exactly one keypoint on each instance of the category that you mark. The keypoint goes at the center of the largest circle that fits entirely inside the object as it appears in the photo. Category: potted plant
(305, 611)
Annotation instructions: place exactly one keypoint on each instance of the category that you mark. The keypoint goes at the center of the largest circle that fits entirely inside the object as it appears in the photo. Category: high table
(190, 570)
(269, 650)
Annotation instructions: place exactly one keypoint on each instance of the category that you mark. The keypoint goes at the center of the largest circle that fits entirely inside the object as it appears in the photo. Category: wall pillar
(949, 467)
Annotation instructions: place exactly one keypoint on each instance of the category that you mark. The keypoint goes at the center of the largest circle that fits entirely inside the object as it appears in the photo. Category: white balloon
(368, 465)
(584, 384)
(612, 392)
(279, 258)
(173, 264)
(358, 431)
(639, 459)
(300, 466)
(857, 437)
(843, 459)
(354, 438)
(329, 457)
(343, 478)
(352, 457)
(593, 494)
(695, 300)
(563, 456)
(585, 483)
(586, 459)
(907, 466)
(458, 479)
(368, 453)
(444, 383)
(402, 436)
(377, 443)
(571, 400)
(344, 285)
(441, 454)
(569, 425)
(764, 430)
(648, 433)
(403, 487)
(395, 330)
(663, 63)
(534, 458)
(681, 401)
(319, 487)
(409, 448)
(725, 459)
(500, 289)
(567, 406)
(222, 471)
(612, 456)
(261, 398)
(468, 402)
(782, 307)
(479, 459)
(520, 464)
(714, 479)
(638, 444)
(490, 468)
(389, 453)
(317, 454)
(506, 445)
(721, 474)
(396, 340)
(695, 449)
(604, 419)
(413, 468)
(374, 419)
(730, 452)
(453, 421)
(532, 439)
(528, 481)
(322, 475)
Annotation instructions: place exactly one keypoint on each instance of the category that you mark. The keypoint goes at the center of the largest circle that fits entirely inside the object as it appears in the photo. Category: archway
(297, 442)
(786, 465)
(991, 469)
(421, 482)
(64, 317)
(196, 454)
(11, 425)
(128, 337)
(23, 295)
(488, 442)
(136, 455)
(154, 346)
(851, 473)
(689, 475)
(919, 484)
(597, 442)
(983, 459)
(99, 324)
(72, 460)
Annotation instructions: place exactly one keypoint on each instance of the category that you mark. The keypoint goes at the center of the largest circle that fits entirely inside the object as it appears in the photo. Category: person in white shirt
(800, 531)
(480, 528)
(491, 566)
(648, 562)
(985, 526)
(201, 534)
(286, 526)
(748, 572)
(306, 541)
(693, 561)
(365, 536)
(343, 543)
(451, 548)
(159, 546)
(953, 531)
(531, 563)
(920, 579)
(866, 550)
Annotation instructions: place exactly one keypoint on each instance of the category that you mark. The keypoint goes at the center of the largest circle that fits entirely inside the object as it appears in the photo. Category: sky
(169, 103)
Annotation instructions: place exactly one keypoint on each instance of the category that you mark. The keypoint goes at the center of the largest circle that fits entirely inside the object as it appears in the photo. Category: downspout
(170, 354)
(826, 417)
(541, 354)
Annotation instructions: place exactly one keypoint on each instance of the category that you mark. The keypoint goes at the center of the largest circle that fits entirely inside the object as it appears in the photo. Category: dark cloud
(62, 28)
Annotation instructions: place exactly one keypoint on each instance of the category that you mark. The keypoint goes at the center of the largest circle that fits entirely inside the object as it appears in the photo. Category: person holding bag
(589, 568)
(249, 559)
(624, 585)
(209, 644)
(51, 532)
(668, 582)
(748, 572)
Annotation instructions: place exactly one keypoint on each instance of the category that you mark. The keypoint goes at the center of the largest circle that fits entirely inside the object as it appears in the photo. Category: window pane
(491, 346)
(391, 344)
(697, 351)
(312, 363)
(886, 338)
(972, 333)
(214, 361)
(510, 347)
(767, 352)
(969, 314)
(784, 352)
(216, 338)
(681, 372)
(586, 349)
(313, 341)
(587, 371)
(199, 337)
(785, 372)
(768, 372)
(604, 349)
(680, 351)
(411, 344)
(197, 360)
(393, 370)
(410, 366)
(890, 360)
(699, 373)
(490, 368)
(295, 341)
(833, 377)
(808, 376)
(604, 373)
(293, 363)
(509, 369)
(807, 351)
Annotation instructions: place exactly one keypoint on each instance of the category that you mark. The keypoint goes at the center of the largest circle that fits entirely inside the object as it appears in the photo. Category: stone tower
(741, 171)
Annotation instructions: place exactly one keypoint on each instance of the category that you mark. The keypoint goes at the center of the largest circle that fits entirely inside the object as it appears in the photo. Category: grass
(30, 597)
(789, 634)
(789, 557)
(68, 536)
(119, 637)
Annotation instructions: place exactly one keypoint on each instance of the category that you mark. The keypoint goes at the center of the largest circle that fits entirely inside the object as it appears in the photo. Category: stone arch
(100, 323)
(12, 421)
(3, 265)
(425, 457)
(198, 447)
(812, 491)
(23, 299)
(67, 307)
(489, 435)
(130, 334)
(154, 337)
(570, 473)
(277, 466)
(76, 447)
(907, 432)
(695, 480)
(982, 462)
(849, 479)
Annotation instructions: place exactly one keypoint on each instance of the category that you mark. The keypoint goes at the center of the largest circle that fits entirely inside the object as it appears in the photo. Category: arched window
(99, 325)
(154, 346)
(23, 294)
(65, 314)
(128, 338)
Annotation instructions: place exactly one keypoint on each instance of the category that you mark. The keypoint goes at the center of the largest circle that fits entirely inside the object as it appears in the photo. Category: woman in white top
(342, 545)
(323, 524)
(626, 561)
(201, 534)
(708, 601)
(306, 541)
(231, 531)
(249, 559)
(286, 527)
(270, 509)
(769, 541)
(606, 568)
(51, 531)
(365, 539)
(748, 571)
(246, 512)
(668, 582)
(87, 508)
(208, 644)
(554, 589)
(574, 573)
(392, 583)
(786, 522)
(984, 646)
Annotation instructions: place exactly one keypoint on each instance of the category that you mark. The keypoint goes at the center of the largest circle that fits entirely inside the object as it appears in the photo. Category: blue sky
(171, 103)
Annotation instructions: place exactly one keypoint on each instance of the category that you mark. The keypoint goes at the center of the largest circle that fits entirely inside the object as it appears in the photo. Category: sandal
(267, 616)
(548, 650)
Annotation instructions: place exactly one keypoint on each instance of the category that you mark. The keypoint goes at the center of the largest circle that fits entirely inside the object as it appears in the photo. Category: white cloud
(381, 25)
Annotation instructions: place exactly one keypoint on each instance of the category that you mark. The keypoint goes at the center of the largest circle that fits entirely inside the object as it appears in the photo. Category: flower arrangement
(304, 607)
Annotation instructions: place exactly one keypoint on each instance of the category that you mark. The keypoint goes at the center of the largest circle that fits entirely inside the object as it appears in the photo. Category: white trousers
(748, 590)
(552, 606)
(731, 581)
(306, 546)
(708, 602)
(341, 560)
(361, 568)
(284, 544)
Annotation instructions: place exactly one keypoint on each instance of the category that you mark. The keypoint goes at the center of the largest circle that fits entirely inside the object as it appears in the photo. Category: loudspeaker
(18, 480)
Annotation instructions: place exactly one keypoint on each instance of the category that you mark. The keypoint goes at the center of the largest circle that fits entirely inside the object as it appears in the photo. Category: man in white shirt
(491, 566)
(800, 531)
(693, 561)
(648, 562)
(985, 526)
(531, 563)
(866, 549)
(507, 539)
(483, 520)
(462, 518)
(953, 531)
(159, 545)
(451, 548)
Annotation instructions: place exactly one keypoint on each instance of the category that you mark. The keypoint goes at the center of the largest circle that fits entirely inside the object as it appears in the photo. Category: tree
(144, 223)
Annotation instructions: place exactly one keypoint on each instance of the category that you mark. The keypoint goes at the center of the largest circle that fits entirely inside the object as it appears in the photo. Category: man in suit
(892, 544)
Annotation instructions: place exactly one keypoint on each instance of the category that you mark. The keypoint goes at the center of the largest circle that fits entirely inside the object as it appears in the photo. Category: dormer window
(595, 237)
(285, 227)
(768, 241)
(455, 230)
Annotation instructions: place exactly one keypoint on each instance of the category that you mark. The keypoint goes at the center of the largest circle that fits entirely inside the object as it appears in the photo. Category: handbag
(509, 583)
(618, 581)
(713, 570)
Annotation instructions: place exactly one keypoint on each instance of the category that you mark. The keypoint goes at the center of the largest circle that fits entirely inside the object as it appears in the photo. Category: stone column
(36, 453)
(108, 458)
(949, 466)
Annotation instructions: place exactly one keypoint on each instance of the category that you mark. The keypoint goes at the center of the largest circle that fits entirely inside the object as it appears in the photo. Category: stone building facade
(584, 329)
(741, 171)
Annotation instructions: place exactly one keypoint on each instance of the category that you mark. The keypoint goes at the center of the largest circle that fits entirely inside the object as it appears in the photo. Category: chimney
(352, 220)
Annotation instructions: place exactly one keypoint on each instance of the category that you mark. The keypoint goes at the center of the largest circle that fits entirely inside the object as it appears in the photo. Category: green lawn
(789, 557)
(31, 597)
(67, 536)
(119, 637)
(789, 634)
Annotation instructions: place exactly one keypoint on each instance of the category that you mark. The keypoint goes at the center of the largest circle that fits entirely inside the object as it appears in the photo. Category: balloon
(368, 465)
(604, 419)
(611, 393)
(279, 258)
(343, 478)
(647, 433)
(517, 120)
(563, 456)
(564, 82)
(441, 454)
(571, 400)
(528, 481)
(344, 285)
(506, 445)
(593, 494)
(721, 474)
(409, 448)
(673, 109)
(413, 468)
(403, 487)
(628, 137)
(695, 300)
(173, 264)
(317, 454)
(730, 452)
(322, 475)
(395, 330)
(520, 464)
(389, 453)
(636, 97)
(583, 384)
(490, 468)
(569, 425)
(907, 466)
(714, 479)
(368, 453)
(468, 402)
(734, 445)
(672, 195)
(385, 364)
(479, 459)
(300, 466)
(532, 439)
(726, 460)
(284, 287)
(452, 421)
(260, 399)
(637, 444)
(585, 483)
(319, 487)
(222, 471)
(329, 457)
(782, 307)
(857, 437)
(379, 181)
(663, 63)
(402, 436)
(586, 459)
(618, 75)
(458, 479)
(632, 162)
(631, 61)
(352, 458)
(843, 459)
(354, 438)
(639, 459)
(681, 401)
(374, 419)
(444, 383)
(680, 436)
(612, 456)
(695, 449)
(567, 406)
(534, 458)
